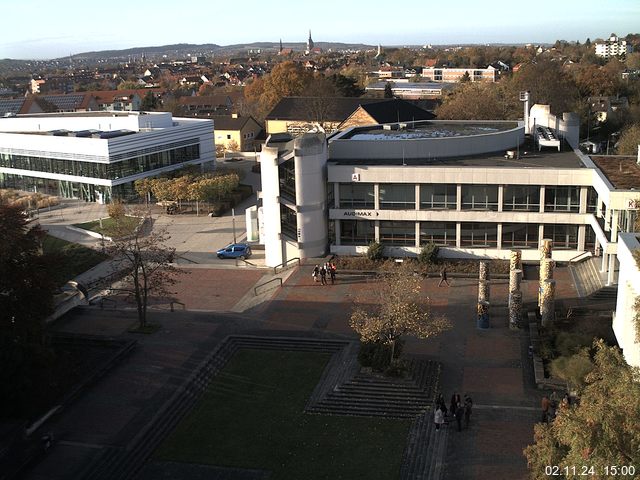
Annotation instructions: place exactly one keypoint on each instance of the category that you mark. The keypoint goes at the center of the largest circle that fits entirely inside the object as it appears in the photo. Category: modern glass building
(96, 156)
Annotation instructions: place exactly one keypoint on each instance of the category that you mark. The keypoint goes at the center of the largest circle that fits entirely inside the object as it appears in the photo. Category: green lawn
(252, 416)
(74, 259)
(108, 225)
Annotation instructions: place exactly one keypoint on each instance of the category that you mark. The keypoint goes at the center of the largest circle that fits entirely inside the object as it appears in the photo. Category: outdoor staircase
(590, 282)
(424, 454)
(371, 395)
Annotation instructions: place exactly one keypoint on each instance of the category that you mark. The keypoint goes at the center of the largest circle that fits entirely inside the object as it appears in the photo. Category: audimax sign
(360, 213)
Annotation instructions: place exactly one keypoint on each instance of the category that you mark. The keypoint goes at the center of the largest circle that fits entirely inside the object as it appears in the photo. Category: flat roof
(526, 157)
(428, 129)
(622, 171)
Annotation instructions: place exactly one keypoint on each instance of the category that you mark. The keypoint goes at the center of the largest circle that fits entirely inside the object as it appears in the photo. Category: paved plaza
(490, 365)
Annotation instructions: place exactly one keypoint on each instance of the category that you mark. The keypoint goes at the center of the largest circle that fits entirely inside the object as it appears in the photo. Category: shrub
(573, 369)
(568, 343)
(375, 251)
(398, 369)
(429, 253)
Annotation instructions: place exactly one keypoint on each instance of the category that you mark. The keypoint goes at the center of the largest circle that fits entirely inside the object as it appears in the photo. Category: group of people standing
(458, 408)
(322, 272)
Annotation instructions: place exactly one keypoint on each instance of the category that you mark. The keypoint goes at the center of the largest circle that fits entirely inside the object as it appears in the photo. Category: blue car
(235, 250)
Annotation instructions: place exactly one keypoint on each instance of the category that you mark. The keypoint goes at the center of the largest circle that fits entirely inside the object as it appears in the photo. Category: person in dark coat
(323, 275)
(459, 415)
(455, 400)
(468, 404)
(443, 277)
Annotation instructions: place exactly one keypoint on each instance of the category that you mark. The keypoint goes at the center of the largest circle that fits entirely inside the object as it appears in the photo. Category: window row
(524, 198)
(110, 171)
(472, 234)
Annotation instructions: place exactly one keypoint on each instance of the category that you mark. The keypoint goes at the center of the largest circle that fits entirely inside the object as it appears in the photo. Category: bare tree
(146, 263)
(394, 307)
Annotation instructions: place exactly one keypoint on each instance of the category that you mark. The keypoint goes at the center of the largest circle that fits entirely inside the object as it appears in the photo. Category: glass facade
(354, 232)
(440, 233)
(520, 235)
(139, 163)
(524, 198)
(479, 197)
(479, 235)
(398, 233)
(400, 196)
(435, 196)
(356, 195)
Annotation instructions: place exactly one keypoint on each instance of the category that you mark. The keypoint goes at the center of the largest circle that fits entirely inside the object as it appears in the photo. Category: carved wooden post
(547, 302)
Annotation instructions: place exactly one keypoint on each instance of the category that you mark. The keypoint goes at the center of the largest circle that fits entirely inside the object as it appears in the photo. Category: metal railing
(277, 279)
(285, 265)
(175, 302)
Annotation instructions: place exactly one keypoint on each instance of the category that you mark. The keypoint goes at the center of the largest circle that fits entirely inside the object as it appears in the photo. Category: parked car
(235, 250)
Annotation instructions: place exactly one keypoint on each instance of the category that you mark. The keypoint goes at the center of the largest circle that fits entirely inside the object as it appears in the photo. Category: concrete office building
(96, 156)
(477, 189)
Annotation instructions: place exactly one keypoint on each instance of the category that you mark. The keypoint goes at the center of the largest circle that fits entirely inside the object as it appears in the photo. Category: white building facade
(624, 319)
(96, 156)
(614, 47)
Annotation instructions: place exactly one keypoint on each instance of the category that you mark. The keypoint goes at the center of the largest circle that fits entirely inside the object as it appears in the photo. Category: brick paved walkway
(492, 365)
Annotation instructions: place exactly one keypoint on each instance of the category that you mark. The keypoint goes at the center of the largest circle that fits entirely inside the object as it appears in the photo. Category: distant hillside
(183, 49)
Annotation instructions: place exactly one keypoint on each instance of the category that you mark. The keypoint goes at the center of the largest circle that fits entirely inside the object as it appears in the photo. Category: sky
(42, 29)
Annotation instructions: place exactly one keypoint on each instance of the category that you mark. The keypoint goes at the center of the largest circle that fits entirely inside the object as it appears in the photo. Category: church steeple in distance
(309, 43)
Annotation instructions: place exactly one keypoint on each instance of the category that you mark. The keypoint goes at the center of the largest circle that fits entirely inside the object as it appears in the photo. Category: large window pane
(440, 233)
(356, 195)
(521, 197)
(398, 233)
(434, 196)
(479, 235)
(563, 236)
(562, 199)
(356, 232)
(287, 178)
(288, 222)
(519, 235)
(479, 197)
(398, 197)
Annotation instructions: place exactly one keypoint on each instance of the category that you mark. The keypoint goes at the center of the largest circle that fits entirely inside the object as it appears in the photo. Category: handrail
(571, 260)
(277, 279)
(175, 302)
(285, 264)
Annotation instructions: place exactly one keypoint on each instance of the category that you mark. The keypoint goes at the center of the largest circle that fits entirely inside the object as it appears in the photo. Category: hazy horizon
(36, 31)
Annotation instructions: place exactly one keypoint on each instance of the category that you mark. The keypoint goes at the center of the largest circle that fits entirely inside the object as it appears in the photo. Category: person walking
(459, 415)
(438, 418)
(455, 400)
(443, 277)
(332, 273)
(323, 275)
(468, 404)
(316, 272)
(545, 403)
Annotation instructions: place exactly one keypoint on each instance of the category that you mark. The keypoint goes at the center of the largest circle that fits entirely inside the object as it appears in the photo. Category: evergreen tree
(388, 92)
